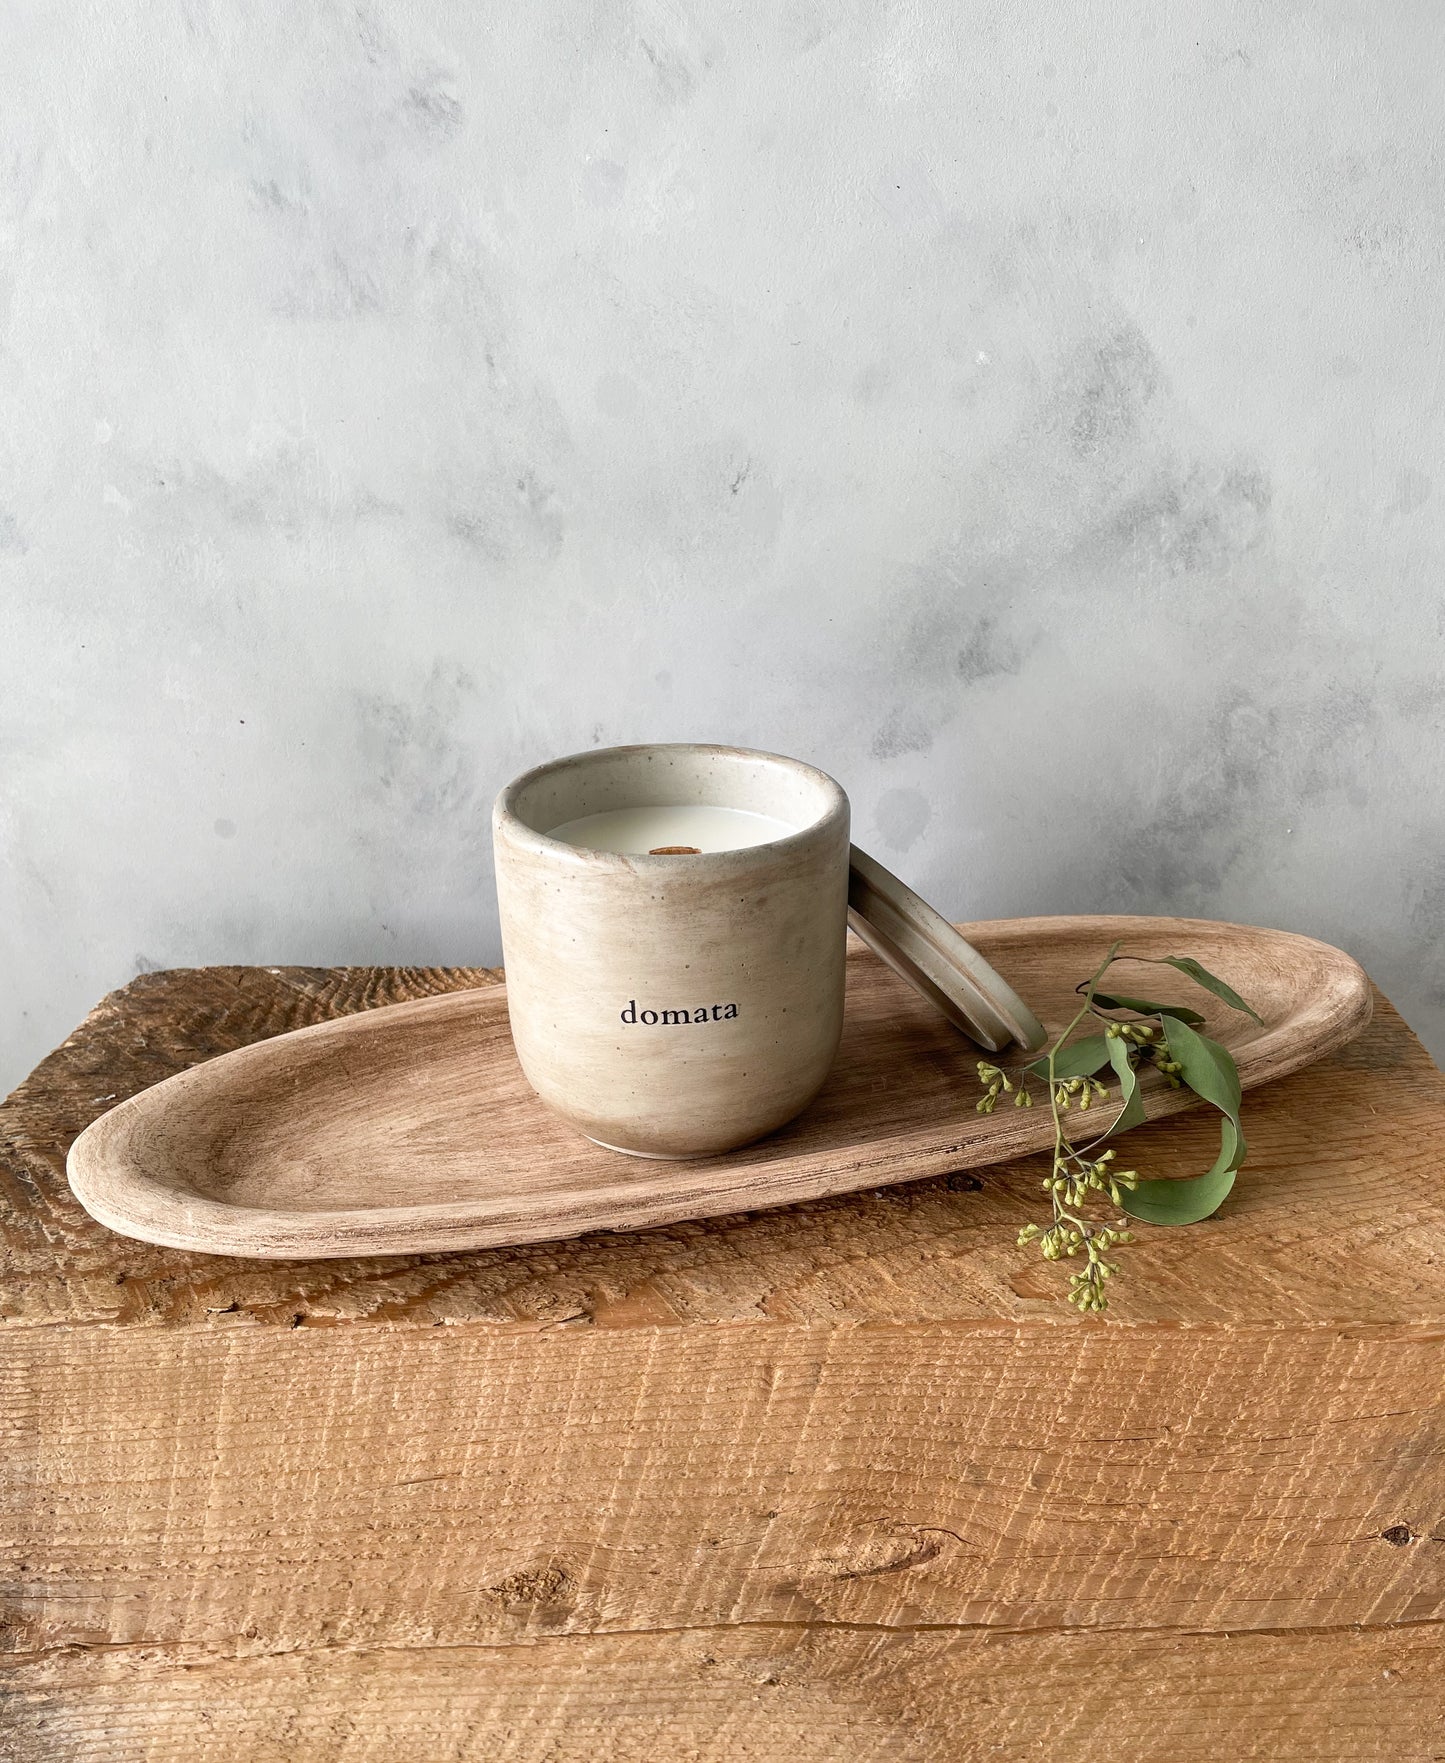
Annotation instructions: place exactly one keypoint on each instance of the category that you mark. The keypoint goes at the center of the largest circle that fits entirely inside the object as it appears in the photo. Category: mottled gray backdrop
(1031, 412)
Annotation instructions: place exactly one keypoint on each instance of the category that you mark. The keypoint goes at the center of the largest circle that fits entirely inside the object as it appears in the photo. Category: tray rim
(134, 1203)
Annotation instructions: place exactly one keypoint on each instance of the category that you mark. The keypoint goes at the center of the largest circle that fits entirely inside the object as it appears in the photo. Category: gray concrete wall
(1032, 413)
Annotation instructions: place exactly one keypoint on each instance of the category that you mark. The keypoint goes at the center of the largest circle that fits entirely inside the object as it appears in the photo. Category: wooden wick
(675, 851)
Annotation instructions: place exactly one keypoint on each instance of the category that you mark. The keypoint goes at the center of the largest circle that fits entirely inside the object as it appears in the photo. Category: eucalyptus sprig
(1137, 1033)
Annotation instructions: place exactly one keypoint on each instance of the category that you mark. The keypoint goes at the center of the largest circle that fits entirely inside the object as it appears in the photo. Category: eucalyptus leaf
(1180, 1202)
(1143, 1007)
(1203, 977)
(1132, 1113)
(1206, 1067)
(1079, 1059)
(1209, 1071)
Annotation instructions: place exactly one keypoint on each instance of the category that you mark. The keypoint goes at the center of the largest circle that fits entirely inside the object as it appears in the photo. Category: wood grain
(844, 1480)
(414, 1129)
(463, 1485)
(767, 1694)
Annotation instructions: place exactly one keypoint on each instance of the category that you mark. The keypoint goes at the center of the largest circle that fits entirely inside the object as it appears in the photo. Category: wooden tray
(411, 1128)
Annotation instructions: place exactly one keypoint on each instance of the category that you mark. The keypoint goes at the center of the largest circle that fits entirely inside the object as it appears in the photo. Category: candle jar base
(655, 1156)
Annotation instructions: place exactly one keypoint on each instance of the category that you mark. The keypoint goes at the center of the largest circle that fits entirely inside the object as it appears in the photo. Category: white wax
(699, 824)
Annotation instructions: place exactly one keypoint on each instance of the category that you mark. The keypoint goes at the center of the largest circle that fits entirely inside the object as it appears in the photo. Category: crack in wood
(551, 1638)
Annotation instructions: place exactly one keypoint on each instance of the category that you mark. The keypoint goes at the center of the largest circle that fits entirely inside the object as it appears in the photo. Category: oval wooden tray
(411, 1128)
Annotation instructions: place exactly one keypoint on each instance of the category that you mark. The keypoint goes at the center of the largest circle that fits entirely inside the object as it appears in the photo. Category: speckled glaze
(737, 955)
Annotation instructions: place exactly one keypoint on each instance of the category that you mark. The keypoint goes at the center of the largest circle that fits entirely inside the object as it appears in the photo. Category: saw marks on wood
(443, 1486)
(766, 1693)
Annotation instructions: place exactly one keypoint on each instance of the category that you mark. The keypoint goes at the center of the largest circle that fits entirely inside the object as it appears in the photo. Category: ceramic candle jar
(681, 1004)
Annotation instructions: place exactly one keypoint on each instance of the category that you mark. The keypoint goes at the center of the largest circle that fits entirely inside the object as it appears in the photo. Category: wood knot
(900, 1548)
(1397, 1536)
(546, 1585)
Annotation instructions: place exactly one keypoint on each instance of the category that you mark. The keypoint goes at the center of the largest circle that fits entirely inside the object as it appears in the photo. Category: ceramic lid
(924, 948)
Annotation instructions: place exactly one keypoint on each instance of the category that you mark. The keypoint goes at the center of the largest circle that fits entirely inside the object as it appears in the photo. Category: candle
(688, 829)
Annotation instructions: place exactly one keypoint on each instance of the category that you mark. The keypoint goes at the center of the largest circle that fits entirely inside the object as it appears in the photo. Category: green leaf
(1210, 1072)
(1180, 1202)
(1079, 1059)
(1144, 1008)
(1203, 977)
(1132, 1113)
